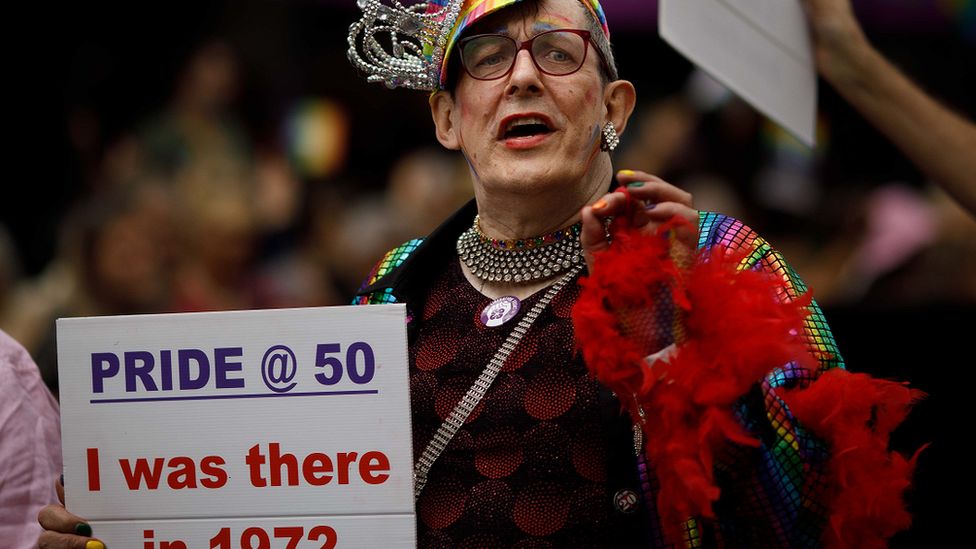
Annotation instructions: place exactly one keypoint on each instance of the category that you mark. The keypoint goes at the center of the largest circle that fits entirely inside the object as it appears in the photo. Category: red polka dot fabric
(528, 469)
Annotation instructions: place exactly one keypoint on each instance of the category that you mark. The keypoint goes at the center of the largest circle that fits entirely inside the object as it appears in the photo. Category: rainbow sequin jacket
(771, 496)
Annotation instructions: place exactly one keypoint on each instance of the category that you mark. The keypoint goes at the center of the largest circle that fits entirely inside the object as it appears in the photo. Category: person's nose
(525, 77)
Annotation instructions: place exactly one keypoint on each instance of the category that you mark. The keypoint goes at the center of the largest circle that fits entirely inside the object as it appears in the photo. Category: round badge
(500, 311)
(625, 501)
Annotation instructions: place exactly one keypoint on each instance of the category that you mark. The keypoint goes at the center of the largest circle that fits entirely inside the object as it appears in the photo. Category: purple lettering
(166, 370)
(187, 381)
(222, 367)
(100, 371)
(138, 364)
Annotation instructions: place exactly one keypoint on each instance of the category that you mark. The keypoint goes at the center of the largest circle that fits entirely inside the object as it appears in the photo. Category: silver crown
(387, 43)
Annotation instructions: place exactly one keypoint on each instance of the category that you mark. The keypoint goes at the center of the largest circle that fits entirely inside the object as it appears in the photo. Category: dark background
(120, 60)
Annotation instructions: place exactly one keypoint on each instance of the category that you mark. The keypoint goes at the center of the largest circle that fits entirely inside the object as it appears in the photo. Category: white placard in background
(760, 49)
(230, 428)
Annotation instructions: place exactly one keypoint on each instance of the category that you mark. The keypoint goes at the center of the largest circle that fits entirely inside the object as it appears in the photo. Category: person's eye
(557, 55)
(490, 60)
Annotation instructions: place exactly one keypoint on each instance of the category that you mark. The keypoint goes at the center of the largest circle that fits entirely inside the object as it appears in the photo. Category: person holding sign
(534, 425)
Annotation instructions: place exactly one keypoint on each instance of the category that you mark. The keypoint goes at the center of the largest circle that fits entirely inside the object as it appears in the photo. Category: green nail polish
(83, 529)
(635, 184)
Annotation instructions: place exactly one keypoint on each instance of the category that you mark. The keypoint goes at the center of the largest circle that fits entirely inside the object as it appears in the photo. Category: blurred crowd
(192, 205)
(186, 212)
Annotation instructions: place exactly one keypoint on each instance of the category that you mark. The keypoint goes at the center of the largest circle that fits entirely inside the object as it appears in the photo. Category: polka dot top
(528, 469)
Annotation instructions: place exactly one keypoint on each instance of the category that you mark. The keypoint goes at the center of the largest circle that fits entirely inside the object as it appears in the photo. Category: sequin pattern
(777, 502)
(393, 259)
(496, 483)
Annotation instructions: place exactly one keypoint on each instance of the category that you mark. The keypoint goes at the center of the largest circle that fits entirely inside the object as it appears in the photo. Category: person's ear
(442, 111)
(620, 97)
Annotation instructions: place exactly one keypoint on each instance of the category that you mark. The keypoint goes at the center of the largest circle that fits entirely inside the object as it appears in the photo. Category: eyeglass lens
(555, 52)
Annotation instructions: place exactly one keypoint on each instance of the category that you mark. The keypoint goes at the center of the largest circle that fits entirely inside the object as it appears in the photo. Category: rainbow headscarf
(474, 10)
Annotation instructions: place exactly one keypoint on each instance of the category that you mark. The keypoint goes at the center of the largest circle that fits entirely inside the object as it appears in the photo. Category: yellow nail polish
(626, 172)
(94, 544)
(600, 204)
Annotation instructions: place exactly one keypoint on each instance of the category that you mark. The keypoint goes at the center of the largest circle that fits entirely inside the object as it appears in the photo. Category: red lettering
(222, 539)
(317, 468)
(371, 463)
(134, 476)
(345, 459)
(276, 460)
(328, 532)
(254, 462)
(264, 542)
(216, 477)
(292, 533)
(94, 476)
(184, 474)
(314, 466)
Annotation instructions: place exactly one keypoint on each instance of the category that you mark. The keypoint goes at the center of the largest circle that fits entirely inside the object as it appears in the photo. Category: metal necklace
(519, 261)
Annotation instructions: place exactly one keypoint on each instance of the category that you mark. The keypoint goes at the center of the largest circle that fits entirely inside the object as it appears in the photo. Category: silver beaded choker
(519, 261)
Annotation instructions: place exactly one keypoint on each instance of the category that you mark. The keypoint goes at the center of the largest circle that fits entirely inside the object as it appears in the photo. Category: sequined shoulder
(387, 264)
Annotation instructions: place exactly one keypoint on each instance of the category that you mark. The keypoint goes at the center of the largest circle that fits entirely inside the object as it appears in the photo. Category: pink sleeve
(30, 445)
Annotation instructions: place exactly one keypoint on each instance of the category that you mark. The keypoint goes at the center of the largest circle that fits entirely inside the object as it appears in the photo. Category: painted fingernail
(62, 479)
(626, 172)
(94, 544)
(649, 205)
(600, 204)
(635, 184)
(83, 529)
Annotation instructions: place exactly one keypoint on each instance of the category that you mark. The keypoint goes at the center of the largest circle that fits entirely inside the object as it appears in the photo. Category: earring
(609, 139)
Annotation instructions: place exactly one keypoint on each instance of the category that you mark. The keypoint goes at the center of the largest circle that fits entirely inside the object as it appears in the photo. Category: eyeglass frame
(527, 45)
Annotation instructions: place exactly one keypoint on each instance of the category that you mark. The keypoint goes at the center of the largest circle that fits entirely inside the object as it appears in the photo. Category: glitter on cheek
(594, 137)
(474, 172)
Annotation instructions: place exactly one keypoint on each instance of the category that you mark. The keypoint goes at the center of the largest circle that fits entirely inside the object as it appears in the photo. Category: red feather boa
(733, 328)
(856, 414)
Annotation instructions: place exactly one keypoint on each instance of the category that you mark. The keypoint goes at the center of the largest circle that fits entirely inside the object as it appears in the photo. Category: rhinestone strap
(460, 414)
(510, 244)
(519, 261)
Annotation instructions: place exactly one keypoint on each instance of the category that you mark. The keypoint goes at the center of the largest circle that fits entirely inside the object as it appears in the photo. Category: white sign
(760, 49)
(258, 429)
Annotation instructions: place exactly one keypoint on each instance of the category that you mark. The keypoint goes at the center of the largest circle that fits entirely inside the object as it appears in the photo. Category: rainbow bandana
(473, 11)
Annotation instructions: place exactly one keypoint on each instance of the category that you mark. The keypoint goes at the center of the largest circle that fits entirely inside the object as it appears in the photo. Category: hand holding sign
(64, 530)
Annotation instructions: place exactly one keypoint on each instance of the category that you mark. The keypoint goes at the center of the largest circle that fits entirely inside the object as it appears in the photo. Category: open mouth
(525, 127)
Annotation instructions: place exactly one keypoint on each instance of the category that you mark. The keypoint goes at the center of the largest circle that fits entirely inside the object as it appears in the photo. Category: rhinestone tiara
(399, 45)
